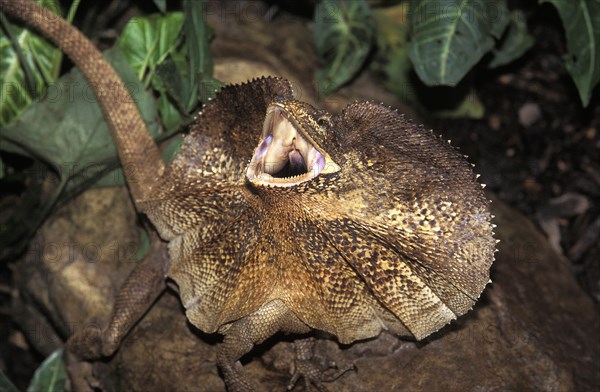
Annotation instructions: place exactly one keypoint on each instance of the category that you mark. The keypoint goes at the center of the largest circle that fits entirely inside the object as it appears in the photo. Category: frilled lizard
(281, 217)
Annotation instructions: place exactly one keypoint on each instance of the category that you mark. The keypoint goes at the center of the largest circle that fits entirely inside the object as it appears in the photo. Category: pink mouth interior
(284, 157)
(281, 160)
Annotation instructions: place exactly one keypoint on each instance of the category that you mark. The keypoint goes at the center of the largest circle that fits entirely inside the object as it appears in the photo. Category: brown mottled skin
(396, 236)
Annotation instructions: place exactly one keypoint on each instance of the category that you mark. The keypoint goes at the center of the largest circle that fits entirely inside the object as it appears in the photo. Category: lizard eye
(323, 121)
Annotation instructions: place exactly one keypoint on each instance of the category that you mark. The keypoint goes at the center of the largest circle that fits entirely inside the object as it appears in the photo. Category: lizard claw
(235, 379)
(315, 377)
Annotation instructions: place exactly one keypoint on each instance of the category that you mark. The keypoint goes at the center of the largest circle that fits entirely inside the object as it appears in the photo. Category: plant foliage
(24, 75)
(65, 131)
(344, 33)
(443, 42)
(448, 37)
(50, 376)
(581, 20)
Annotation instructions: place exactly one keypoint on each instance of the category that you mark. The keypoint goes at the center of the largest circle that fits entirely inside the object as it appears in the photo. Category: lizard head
(290, 150)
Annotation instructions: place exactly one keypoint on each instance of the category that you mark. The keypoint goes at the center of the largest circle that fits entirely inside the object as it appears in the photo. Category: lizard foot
(235, 379)
(310, 372)
(83, 347)
(81, 376)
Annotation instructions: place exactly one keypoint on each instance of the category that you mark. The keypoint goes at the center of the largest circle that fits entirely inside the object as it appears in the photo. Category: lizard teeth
(266, 177)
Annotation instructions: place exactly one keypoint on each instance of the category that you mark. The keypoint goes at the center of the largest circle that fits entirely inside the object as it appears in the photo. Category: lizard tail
(137, 151)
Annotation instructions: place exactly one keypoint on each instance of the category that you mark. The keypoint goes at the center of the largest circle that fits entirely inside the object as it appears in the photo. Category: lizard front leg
(141, 288)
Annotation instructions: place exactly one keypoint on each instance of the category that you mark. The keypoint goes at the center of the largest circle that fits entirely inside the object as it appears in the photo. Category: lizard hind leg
(243, 334)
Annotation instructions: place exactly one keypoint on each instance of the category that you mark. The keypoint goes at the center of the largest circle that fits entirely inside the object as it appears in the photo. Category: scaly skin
(392, 232)
(397, 237)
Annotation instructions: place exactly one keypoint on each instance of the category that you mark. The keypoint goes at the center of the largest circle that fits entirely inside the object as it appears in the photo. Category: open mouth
(285, 156)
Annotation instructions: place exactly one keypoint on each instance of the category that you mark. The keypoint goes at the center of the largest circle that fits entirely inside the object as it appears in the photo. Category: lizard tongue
(296, 161)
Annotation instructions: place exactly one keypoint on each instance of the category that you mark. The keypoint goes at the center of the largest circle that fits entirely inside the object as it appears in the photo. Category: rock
(529, 114)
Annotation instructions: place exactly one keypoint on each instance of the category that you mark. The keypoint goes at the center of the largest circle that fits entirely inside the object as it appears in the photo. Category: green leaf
(197, 36)
(42, 61)
(392, 55)
(456, 102)
(147, 41)
(110, 178)
(172, 148)
(186, 75)
(5, 384)
(115, 177)
(170, 116)
(344, 32)
(466, 106)
(161, 5)
(51, 375)
(400, 78)
(448, 37)
(67, 131)
(581, 20)
(178, 71)
(515, 42)
(170, 78)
